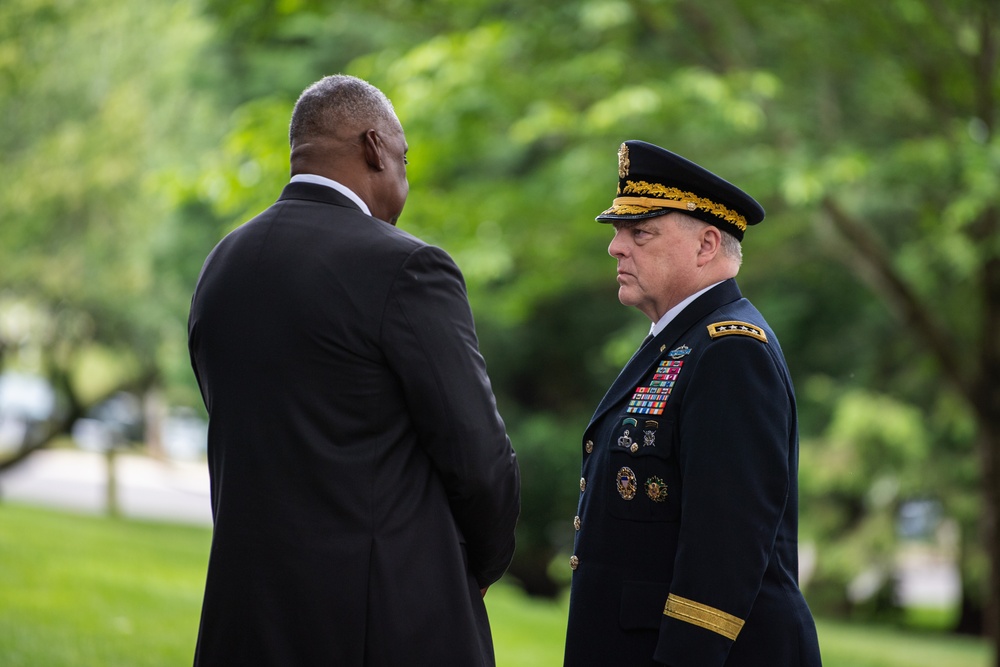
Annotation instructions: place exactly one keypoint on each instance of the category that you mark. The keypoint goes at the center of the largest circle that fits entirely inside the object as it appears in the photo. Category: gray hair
(337, 106)
(730, 246)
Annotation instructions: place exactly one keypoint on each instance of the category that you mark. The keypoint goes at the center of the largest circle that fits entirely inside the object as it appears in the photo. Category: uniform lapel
(649, 354)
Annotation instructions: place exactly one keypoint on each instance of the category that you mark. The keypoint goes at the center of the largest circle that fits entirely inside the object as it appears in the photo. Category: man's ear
(372, 143)
(710, 239)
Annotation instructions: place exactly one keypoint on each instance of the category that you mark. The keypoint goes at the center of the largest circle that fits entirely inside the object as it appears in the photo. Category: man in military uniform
(686, 545)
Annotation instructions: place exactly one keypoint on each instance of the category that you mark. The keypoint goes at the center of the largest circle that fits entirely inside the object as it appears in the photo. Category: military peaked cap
(652, 180)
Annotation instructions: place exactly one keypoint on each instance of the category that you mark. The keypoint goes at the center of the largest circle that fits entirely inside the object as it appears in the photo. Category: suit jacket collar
(317, 193)
(650, 353)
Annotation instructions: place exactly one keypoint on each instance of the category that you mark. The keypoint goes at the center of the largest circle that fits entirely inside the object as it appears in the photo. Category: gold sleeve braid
(703, 616)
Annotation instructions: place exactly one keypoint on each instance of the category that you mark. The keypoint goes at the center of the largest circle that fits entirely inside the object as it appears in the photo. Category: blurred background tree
(134, 139)
(99, 102)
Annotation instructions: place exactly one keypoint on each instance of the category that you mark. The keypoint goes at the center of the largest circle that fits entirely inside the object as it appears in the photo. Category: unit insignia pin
(626, 483)
(648, 438)
(656, 489)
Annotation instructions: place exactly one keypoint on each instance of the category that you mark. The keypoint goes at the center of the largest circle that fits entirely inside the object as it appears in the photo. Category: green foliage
(97, 108)
(135, 136)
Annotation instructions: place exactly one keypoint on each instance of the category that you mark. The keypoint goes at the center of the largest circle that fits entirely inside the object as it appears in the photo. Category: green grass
(851, 645)
(84, 591)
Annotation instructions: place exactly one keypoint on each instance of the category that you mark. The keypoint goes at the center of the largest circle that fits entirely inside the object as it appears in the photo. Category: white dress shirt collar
(668, 316)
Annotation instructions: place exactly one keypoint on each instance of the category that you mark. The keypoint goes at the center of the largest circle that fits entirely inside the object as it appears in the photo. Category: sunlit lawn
(82, 591)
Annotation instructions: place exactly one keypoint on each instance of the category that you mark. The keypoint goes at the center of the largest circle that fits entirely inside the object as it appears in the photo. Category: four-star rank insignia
(736, 328)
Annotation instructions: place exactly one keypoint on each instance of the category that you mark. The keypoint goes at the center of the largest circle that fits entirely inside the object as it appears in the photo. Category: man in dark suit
(364, 490)
(685, 552)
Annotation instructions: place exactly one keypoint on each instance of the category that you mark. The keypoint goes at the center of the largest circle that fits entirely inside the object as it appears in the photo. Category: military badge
(656, 489)
(649, 435)
(623, 163)
(681, 351)
(625, 441)
(626, 483)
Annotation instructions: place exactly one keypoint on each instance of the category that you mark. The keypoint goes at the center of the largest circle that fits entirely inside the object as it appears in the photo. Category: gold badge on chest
(656, 489)
(626, 483)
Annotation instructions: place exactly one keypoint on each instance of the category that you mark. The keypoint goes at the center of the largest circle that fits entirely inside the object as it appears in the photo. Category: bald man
(364, 489)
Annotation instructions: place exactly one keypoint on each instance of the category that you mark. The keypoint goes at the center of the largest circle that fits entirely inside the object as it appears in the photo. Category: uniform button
(589, 446)
(574, 562)
(583, 484)
(576, 522)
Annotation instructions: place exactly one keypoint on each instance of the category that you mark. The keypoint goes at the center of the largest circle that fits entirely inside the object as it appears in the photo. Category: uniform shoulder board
(736, 328)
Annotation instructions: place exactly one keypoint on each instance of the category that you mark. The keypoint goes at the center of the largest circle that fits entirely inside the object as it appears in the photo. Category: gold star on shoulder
(731, 327)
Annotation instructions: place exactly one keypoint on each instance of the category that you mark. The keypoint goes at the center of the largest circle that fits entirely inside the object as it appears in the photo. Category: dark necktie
(641, 345)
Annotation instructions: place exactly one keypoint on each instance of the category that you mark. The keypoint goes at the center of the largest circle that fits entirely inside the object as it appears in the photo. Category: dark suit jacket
(363, 485)
(688, 513)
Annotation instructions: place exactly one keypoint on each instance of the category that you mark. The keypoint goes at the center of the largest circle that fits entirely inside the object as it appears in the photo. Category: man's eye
(406, 160)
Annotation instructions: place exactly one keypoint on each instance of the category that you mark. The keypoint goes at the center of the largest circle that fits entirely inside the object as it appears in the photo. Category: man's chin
(625, 298)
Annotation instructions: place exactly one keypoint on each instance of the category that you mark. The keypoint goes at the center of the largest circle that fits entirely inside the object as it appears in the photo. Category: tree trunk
(112, 506)
(977, 382)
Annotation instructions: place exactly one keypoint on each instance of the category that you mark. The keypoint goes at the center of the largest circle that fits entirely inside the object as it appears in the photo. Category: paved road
(77, 480)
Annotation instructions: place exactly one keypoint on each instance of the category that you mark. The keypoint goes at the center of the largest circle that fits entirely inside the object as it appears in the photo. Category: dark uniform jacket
(685, 551)
(363, 486)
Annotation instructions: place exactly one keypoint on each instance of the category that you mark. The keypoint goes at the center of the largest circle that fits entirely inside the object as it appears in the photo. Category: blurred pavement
(76, 480)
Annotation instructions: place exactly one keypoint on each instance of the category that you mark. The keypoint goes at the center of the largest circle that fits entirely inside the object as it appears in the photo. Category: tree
(514, 111)
(874, 153)
(937, 205)
(96, 114)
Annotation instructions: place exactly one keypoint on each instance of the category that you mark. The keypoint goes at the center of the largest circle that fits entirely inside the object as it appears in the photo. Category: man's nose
(617, 246)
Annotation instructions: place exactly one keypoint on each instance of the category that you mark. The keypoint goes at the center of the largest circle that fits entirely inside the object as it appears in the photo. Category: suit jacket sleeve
(737, 424)
(430, 341)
